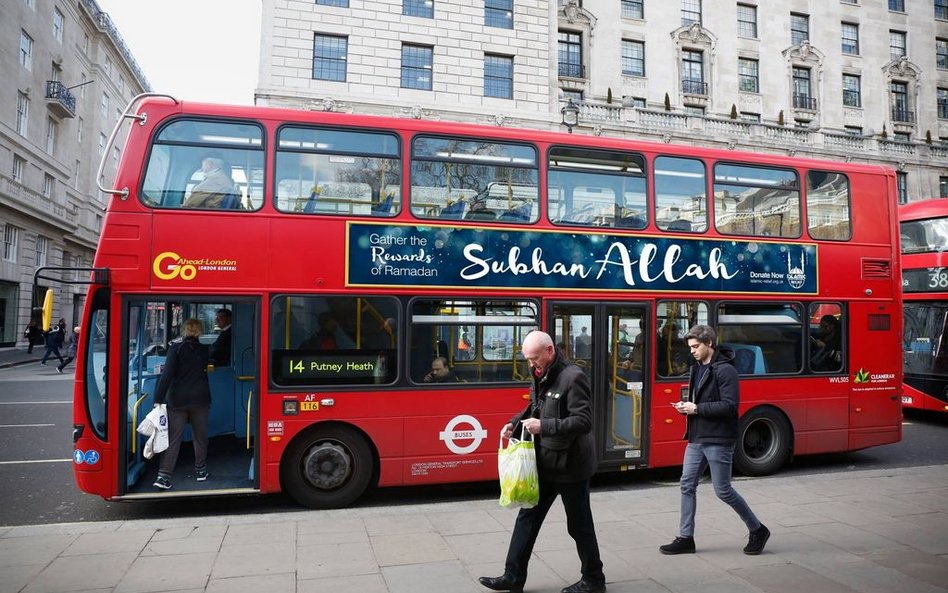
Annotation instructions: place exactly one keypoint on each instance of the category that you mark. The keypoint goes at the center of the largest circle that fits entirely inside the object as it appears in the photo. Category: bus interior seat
(632, 222)
(519, 213)
(454, 210)
(480, 214)
(748, 358)
(231, 202)
(384, 206)
(679, 224)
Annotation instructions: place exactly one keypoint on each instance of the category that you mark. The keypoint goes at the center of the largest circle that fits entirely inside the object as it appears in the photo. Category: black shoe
(758, 539)
(200, 475)
(502, 583)
(681, 545)
(162, 482)
(60, 369)
(584, 586)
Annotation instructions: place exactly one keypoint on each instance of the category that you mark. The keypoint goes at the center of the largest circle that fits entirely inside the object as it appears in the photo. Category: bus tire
(327, 467)
(764, 442)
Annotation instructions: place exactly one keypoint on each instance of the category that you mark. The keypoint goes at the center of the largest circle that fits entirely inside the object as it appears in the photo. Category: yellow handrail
(249, 398)
(135, 422)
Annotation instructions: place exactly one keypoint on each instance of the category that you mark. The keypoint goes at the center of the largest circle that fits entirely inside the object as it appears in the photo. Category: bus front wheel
(327, 467)
(764, 441)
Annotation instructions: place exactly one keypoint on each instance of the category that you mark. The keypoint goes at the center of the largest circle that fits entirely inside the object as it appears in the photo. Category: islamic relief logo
(796, 275)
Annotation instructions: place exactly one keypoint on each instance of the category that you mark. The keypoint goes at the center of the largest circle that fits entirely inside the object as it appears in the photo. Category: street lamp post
(570, 115)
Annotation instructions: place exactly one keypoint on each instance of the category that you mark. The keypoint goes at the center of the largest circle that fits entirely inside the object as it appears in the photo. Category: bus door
(230, 329)
(608, 342)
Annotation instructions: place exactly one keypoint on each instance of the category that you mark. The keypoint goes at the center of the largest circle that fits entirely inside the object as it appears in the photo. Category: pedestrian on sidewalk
(33, 335)
(711, 416)
(184, 385)
(559, 416)
(70, 349)
(54, 340)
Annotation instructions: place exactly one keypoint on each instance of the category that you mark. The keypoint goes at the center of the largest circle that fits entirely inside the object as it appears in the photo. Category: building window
(943, 187)
(750, 117)
(419, 8)
(633, 57)
(329, 57)
(747, 21)
(748, 74)
(567, 94)
(26, 50)
(569, 51)
(853, 130)
(52, 129)
(48, 184)
(115, 156)
(639, 102)
(941, 54)
(802, 94)
(850, 35)
(901, 183)
(58, 21)
(101, 143)
(42, 251)
(104, 105)
(11, 242)
(692, 72)
(900, 102)
(22, 113)
(416, 66)
(800, 28)
(852, 90)
(498, 76)
(690, 12)
(633, 9)
(896, 44)
(75, 177)
(902, 136)
(941, 9)
(19, 165)
(30, 3)
(339, 3)
(498, 13)
(694, 110)
(897, 5)
(79, 130)
(108, 66)
(942, 103)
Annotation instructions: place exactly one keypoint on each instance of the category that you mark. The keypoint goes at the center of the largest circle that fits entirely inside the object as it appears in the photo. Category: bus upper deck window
(681, 195)
(597, 188)
(756, 201)
(828, 210)
(205, 165)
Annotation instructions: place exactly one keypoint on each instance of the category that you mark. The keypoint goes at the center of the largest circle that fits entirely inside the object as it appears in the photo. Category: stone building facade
(65, 90)
(863, 80)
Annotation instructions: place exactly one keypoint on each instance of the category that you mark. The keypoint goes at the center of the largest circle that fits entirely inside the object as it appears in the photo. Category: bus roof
(924, 209)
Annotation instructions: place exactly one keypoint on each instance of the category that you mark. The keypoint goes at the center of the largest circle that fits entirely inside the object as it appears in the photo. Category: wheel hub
(327, 466)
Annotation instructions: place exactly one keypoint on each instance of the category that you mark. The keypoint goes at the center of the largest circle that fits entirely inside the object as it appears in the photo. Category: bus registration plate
(309, 406)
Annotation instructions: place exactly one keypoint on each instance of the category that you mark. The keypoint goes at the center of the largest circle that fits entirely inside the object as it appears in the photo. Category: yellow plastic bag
(517, 466)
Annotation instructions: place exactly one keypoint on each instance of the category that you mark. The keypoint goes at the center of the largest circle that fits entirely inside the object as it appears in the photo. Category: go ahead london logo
(170, 266)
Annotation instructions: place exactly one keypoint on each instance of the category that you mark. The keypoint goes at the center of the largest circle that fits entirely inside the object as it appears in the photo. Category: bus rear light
(77, 430)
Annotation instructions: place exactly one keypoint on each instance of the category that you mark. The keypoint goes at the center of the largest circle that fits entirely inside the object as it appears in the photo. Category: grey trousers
(178, 418)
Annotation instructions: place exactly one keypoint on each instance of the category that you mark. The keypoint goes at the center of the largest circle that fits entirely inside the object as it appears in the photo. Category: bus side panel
(876, 376)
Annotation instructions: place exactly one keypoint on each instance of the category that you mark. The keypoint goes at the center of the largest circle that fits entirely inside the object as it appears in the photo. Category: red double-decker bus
(356, 253)
(924, 238)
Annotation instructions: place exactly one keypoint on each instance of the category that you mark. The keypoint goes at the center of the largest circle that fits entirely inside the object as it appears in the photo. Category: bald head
(538, 350)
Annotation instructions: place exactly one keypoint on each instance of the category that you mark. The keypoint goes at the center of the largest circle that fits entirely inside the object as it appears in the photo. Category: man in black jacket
(711, 415)
(560, 418)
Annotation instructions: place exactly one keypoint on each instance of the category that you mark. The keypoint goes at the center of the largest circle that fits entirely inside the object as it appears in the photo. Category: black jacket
(185, 376)
(566, 450)
(220, 349)
(717, 397)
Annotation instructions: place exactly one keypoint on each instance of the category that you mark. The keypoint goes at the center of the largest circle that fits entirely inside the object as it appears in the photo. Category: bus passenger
(215, 189)
(220, 349)
(826, 355)
(325, 336)
(185, 379)
(440, 373)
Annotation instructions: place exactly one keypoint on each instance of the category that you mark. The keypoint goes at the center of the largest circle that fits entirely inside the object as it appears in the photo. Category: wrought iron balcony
(804, 102)
(903, 116)
(572, 70)
(59, 99)
(694, 87)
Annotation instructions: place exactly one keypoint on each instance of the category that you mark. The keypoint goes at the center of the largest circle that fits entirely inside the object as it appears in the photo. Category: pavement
(869, 531)
(11, 357)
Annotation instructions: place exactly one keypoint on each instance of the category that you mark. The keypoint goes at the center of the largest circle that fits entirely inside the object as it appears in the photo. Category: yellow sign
(309, 406)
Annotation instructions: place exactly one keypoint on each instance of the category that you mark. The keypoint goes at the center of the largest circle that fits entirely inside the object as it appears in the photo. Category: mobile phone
(685, 397)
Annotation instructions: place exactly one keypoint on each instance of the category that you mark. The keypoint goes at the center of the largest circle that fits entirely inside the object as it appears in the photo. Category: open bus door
(614, 360)
(149, 326)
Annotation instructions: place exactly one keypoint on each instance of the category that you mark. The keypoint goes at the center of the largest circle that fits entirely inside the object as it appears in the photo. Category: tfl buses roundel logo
(169, 265)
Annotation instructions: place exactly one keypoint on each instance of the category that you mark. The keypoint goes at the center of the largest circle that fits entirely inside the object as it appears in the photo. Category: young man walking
(711, 414)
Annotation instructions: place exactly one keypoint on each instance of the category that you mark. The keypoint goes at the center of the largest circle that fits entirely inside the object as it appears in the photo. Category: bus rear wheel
(763, 444)
(327, 467)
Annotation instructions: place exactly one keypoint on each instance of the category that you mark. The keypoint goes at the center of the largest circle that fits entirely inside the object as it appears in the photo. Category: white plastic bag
(155, 427)
(517, 467)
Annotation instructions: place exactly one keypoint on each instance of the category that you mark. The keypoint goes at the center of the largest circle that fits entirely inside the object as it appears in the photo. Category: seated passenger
(216, 190)
(325, 336)
(826, 352)
(440, 373)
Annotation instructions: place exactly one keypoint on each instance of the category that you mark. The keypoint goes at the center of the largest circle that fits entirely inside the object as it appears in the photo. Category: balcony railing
(694, 87)
(804, 102)
(903, 116)
(572, 70)
(60, 99)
